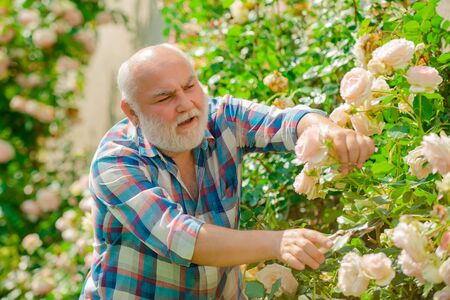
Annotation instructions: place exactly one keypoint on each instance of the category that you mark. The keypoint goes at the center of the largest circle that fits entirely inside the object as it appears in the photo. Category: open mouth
(187, 122)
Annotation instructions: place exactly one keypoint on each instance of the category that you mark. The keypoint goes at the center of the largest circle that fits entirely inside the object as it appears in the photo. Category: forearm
(220, 246)
(311, 119)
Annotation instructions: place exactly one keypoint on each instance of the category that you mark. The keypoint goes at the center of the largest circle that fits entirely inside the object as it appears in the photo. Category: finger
(340, 147)
(364, 150)
(317, 238)
(293, 261)
(353, 149)
(305, 258)
(309, 248)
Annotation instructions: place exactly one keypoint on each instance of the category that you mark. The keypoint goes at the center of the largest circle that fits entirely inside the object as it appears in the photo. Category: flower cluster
(276, 82)
(418, 258)
(432, 156)
(356, 272)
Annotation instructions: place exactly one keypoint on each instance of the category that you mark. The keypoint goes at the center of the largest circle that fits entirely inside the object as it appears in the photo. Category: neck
(177, 156)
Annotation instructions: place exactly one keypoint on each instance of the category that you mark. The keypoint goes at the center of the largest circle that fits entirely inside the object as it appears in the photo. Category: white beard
(165, 137)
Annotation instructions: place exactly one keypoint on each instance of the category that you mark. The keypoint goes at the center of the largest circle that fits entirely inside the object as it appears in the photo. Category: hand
(350, 148)
(300, 247)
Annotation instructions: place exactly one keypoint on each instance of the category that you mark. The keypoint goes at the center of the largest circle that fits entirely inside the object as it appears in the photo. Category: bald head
(145, 61)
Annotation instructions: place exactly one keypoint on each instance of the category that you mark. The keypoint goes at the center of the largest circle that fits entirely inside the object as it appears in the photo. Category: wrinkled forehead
(161, 72)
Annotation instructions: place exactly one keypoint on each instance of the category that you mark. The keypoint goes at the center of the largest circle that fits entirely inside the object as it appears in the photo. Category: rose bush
(44, 48)
(378, 67)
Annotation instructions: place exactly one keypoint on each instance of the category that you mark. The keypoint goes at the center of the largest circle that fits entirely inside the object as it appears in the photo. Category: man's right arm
(220, 246)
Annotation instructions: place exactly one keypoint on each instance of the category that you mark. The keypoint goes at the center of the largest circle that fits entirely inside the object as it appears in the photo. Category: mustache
(187, 115)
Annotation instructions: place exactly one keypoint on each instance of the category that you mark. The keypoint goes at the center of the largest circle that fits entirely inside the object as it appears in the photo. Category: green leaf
(423, 107)
(426, 26)
(382, 168)
(444, 58)
(398, 132)
(227, 3)
(412, 26)
(275, 287)
(254, 289)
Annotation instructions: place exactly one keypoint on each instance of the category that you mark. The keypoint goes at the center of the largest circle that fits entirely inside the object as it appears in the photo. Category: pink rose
(377, 67)
(86, 204)
(366, 125)
(396, 53)
(340, 115)
(87, 39)
(444, 271)
(31, 242)
(6, 152)
(104, 18)
(307, 185)
(418, 165)
(409, 266)
(436, 150)
(311, 145)
(431, 272)
(445, 241)
(351, 278)
(355, 86)
(31, 209)
(44, 38)
(359, 52)
(379, 267)
(60, 26)
(423, 79)
(47, 200)
(73, 16)
(443, 10)
(42, 283)
(271, 273)
(443, 294)
(29, 18)
(7, 35)
(65, 63)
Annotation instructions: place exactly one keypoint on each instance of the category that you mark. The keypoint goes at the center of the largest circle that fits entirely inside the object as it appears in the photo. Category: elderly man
(166, 182)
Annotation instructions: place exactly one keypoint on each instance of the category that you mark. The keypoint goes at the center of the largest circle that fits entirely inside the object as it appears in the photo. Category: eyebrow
(171, 92)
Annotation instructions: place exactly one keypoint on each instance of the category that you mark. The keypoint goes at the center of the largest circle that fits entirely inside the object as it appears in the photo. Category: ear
(129, 112)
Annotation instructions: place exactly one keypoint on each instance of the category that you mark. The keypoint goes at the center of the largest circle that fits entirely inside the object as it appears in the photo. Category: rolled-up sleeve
(123, 185)
(263, 128)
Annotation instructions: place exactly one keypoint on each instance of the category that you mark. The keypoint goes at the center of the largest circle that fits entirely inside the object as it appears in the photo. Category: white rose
(47, 200)
(444, 185)
(70, 235)
(443, 294)
(380, 87)
(31, 242)
(6, 151)
(355, 86)
(271, 273)
(351, 278)
(396, 53)
(423, 79)
(431, 271)
(86, 204)
(366, 125)
(377, 67)
(239, 11)
(408, 237)
(436, 150)
(409, 266)
(443, 9)
(444, 271)
(359, 51)
(418, 165)
(340, 115)
(44, 38)
(307, 185)
(378, 267)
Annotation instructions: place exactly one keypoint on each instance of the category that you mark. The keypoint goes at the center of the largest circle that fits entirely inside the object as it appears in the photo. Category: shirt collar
(147, 149)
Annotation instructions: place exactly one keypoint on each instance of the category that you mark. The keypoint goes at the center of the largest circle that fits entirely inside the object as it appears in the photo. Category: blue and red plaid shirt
(146, 223)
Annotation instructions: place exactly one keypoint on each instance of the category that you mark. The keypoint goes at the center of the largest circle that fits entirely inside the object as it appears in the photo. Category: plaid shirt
(145, 221)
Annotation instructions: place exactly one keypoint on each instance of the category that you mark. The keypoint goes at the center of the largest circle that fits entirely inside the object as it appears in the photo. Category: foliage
(44, 48)
(235, 48)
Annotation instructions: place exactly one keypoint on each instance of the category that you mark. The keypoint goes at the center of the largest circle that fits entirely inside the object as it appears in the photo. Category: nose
(184, 102)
